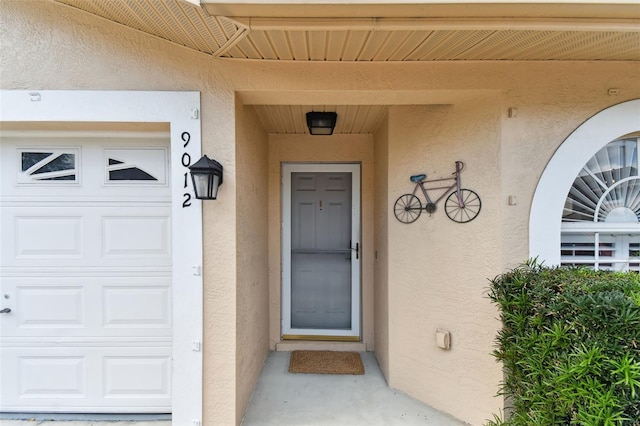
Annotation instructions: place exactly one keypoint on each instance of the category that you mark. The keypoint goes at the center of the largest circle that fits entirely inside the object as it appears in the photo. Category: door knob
(5, 311)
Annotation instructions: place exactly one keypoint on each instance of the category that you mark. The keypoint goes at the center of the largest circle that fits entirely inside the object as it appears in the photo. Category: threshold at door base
(317, 345)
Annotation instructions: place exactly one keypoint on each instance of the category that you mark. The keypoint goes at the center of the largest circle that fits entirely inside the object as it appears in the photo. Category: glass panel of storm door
(320, 250)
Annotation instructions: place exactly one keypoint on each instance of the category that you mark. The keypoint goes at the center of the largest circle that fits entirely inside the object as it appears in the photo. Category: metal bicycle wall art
(462, 205)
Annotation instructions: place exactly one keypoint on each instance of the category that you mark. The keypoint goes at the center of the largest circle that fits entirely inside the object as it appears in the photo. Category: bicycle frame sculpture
(462, 205)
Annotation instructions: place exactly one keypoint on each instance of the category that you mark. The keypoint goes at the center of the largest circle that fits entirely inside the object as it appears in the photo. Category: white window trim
(618, 257)
(181, 111)
(548, 201)
(28, 179)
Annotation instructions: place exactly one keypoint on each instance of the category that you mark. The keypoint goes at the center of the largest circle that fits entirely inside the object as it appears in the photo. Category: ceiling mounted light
(321, 123)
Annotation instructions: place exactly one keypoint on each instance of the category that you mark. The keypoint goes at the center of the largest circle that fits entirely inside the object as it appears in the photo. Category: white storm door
(321, 251)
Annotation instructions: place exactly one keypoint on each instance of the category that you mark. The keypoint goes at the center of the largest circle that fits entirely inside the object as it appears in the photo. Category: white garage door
(86, 272)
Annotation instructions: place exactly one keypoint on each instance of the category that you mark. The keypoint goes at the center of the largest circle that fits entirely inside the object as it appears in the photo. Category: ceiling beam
(434, 24)
(361, 97)
(587, 9)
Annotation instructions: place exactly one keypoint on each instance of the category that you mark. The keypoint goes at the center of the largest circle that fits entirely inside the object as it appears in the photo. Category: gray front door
(321, 257)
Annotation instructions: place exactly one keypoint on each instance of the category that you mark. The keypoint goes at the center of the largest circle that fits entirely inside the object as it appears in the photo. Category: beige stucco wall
(252, 299)
(308, 149)
(438, 268)
(433, 273)
(381, 226)
(45, 45)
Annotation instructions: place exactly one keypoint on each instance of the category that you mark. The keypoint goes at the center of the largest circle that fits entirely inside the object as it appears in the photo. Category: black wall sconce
(206, 175)
(321, 123)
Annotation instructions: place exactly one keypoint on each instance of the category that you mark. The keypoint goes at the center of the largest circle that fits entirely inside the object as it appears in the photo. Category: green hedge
(569, 345)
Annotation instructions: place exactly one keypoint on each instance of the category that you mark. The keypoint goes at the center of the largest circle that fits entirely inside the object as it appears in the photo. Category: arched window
(577, 207)
(600, 220)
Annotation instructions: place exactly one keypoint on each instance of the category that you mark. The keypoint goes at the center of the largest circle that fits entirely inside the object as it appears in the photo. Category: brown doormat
(325, 362)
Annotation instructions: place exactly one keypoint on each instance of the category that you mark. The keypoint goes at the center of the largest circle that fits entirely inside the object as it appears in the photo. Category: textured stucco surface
(381, 226)
(438, 268)
(433, 272)
(49, 46)
(252, 318)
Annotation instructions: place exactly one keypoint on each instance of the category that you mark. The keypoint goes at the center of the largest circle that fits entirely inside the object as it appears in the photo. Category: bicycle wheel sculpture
(407, 208)
(470, 206)
(461, 205)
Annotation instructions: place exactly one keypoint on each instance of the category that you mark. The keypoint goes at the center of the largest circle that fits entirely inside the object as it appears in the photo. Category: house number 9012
(186, 162)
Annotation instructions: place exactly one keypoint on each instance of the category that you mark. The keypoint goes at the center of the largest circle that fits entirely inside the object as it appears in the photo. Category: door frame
(287, 332)
(181, 110)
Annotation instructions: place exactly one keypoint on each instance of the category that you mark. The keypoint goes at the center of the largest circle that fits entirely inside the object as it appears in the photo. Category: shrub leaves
(569, 345)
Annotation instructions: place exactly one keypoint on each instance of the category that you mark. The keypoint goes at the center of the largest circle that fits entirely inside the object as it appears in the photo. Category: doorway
(321, 251)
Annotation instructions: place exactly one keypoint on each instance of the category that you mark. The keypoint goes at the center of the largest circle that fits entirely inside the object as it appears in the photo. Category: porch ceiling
(381, 31)
(374, 30)
(290, 119)
(359, 112)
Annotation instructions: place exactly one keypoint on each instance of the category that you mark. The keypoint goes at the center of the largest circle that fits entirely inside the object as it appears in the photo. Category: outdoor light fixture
(321, 123)
(206, 175)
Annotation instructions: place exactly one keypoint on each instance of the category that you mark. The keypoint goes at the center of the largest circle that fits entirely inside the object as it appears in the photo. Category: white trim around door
(181, 111)
(353, 332)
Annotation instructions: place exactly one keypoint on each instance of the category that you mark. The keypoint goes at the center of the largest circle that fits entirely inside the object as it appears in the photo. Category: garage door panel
(136, 236)
(43, 236)
(84, 167)
(136, 376)
(50, 306)
(121, 236)
(48, 236)
(52, 376)
(137, 307)
(85, 267)
(87, 306)
(129, 379)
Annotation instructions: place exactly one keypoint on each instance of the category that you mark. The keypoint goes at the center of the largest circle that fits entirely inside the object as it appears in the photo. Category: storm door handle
(5, 311)
(356, 249)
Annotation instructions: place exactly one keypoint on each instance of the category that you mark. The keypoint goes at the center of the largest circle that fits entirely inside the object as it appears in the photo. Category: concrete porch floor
(281, 398)
(285, 399)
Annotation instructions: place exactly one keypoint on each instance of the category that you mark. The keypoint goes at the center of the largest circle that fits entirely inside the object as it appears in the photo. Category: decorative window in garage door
(48, 165)
(600, 223)
(136, 165)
